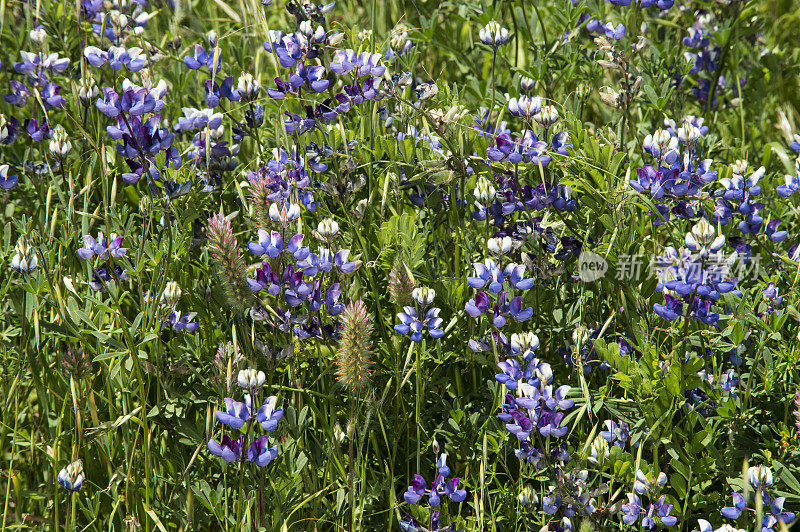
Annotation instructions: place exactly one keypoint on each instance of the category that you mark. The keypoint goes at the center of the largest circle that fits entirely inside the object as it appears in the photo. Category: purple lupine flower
(260, 453)
(311, 76)
(616, 434)
(236, 413)
(229, 449)
(7, 182)
(102, 247)
(614, 32)
(512, 374)
(268, 415)
(332, 306)
(211, 59)
(791, 186)
(733, 512)
(341, 262)
(416, 490)
(344, 61)
(672, 308)
(772, 231)
(19, 93)
(199, 119)
(181, 321)
(457, 495)
(632, 509)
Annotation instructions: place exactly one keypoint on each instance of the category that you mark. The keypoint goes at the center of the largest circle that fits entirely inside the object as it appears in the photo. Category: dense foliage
(416, 265)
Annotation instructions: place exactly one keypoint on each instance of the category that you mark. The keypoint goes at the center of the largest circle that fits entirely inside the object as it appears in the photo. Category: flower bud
(248, 87)
(547, 116)
(212, 37)
(38, 35)
(739, 167)
(527, 497)
(760, 477)
(484, 190)
(251, 379)
(688, 133)
(306, 28)
(500, 245)
(599, 450)
(71, 477)
(287, 212)
(24, 259)
(328, 229)
(527, 84)
(335, 38)
(423, 295)
(60, 145)
(523, 342)
(493, 34)
(88, 91)
(172, 293)
(525, 106)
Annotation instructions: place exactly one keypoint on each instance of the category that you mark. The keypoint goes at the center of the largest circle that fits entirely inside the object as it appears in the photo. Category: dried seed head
(401, 284)
(76, 362)
(229, 262)
(797, 411)
(353, 358)
(259, 201)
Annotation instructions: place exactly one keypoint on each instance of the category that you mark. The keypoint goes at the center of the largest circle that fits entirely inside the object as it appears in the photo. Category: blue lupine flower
(102, 276)
(332, 306)
(271, 243)
(632, 509)
(791, 186)
(268, 415)
(31, 62)
(772, 231)
(102, 247)
(616, 434)
(733, 512)
(229, 449)
(259, 453)
(737, 186)
(410, 323)
(614, 32)
(512, 374)
(236, 413)
(133, 59)
(561, 142)
(211, 59)
(199, 119)
(181, 321)
(19, 93)
(7, 182)
(311, 76)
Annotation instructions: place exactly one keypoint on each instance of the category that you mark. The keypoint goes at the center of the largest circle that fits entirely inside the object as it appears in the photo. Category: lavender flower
(103, 247)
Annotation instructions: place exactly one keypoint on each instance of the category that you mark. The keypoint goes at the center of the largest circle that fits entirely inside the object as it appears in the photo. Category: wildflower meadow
(400, 265)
